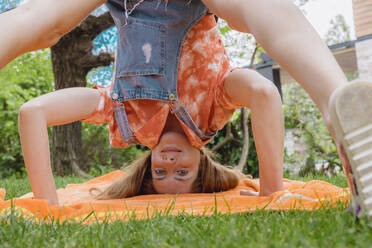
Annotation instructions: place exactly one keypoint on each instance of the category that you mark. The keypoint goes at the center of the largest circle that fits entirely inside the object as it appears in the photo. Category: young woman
(176, 127)
(286, 36)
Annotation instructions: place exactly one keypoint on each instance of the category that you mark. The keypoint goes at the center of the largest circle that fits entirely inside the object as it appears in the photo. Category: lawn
(322, 228)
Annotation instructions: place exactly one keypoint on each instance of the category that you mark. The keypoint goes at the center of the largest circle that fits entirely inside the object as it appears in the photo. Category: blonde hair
(212, 177)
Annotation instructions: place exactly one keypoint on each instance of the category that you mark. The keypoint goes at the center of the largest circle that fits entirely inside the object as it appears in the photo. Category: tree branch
(229, 137)
(244, 123)
(90, 61)
(94, 25)
(75, 166)
(79, 172)
(251, 64)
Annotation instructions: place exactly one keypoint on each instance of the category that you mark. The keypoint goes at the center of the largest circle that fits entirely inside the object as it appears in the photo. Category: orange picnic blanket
(79, 206)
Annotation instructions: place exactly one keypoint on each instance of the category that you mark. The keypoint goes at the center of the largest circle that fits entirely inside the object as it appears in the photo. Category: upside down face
(174, 164)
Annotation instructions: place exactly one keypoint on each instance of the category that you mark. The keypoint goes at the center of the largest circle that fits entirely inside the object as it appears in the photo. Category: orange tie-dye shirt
(202, 68)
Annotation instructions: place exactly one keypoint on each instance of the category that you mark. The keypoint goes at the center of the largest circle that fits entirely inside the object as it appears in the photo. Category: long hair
(212, 177)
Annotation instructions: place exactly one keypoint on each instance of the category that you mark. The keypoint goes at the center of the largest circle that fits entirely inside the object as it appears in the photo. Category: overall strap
(182, 114)
(123, 123)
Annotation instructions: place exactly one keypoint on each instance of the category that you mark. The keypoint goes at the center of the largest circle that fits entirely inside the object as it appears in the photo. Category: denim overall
(151, 34)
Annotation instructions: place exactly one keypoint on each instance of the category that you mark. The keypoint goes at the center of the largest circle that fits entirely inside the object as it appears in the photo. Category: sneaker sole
(351, 117)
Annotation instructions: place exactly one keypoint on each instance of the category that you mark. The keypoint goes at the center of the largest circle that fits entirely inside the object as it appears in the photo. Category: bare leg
(56, 108)
(262, 97)
(39, 24)
(283, 31)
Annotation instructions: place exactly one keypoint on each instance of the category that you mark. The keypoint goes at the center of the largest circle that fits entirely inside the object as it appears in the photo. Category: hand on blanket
(249, 192)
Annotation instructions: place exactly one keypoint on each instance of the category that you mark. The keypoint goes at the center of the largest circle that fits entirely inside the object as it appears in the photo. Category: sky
(320, 13)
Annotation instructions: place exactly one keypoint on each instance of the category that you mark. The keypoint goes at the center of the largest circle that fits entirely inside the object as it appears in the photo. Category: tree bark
(72, 59)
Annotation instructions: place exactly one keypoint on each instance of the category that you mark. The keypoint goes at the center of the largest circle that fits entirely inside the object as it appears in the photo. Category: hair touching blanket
(79, 206)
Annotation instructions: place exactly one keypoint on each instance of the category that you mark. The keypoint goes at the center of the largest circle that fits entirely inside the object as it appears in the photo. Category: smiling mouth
(171, 149)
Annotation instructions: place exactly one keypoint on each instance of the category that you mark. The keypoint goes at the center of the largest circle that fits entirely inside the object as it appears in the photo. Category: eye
(159, 172)
(182, 172)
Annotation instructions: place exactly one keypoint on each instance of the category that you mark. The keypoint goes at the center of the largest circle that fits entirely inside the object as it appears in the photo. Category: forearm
(39, 24)
(268, 132)
(56, 108)
(35, 146)
(260, 95)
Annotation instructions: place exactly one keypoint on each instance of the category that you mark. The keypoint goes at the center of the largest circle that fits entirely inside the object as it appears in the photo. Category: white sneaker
(350, 110)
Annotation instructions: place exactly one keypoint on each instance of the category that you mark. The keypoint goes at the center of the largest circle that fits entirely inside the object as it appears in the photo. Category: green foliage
(230, 153)
(339, 31)
(100, 157)
(239, 46)
(301, 113)
(25, 78)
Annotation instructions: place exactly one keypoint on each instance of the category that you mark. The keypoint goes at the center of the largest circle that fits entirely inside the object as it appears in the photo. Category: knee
(266, 90)
(253, 82)
(29, 111)
(249, 87)
(243, 78)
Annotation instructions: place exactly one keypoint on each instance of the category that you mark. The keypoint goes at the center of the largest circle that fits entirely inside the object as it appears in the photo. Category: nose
(169, 157)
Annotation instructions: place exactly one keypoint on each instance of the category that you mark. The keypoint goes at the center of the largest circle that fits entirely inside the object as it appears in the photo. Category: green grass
(16, 187)
(339, 180)
(321, 228)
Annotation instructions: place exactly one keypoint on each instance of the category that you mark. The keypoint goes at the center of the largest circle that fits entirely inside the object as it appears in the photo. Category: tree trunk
(72, 59)
(67, 142)
(66, 147)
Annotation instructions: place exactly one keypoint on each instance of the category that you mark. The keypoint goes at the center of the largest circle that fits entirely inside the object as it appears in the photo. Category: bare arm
(56, 108)
(260, 95)
(282, 30)
(39, 24)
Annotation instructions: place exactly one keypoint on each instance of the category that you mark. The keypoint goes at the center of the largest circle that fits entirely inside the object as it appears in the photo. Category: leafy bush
(25, 78)
(100, 156)
(301, 113)
(230, 153)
